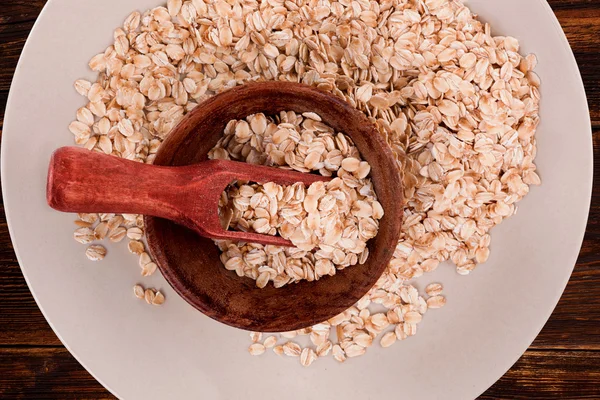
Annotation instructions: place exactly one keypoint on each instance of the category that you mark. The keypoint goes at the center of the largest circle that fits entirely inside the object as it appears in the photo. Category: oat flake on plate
(458, 107)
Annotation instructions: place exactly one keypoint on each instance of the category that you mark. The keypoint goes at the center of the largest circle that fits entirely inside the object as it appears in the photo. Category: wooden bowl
(191, 263)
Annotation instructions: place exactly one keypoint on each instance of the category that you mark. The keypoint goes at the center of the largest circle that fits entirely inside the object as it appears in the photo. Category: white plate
(174, 352)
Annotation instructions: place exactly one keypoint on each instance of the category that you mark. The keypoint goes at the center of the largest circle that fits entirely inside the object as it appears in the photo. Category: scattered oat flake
(255, 337)
(256, 349)
(324, 348)
(412, 317)
(292, 349)
(388, 339)
(134, 233)
(149, 269)
(136, 247)
(270, 342)
(436, 302)
(354, 350)
(307, 357)
(83, 87)
(149, 296)
(338, 353)
(159, 299)
(278, 350)
(434, 289)
(95, 252)
(289, 335)
(84, 235)
(138, 291)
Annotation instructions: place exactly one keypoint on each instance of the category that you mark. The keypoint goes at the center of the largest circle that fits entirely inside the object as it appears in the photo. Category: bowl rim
(167, 155)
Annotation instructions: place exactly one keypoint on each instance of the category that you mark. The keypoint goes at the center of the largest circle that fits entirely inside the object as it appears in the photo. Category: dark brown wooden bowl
(191, 263)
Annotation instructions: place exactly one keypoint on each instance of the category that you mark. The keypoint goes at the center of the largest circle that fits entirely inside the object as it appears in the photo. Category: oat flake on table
(458, 107)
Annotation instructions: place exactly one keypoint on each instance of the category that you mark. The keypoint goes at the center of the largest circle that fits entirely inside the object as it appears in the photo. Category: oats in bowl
(329, 223)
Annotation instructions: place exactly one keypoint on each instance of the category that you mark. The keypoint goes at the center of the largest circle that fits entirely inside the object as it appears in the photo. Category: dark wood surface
(562, 363)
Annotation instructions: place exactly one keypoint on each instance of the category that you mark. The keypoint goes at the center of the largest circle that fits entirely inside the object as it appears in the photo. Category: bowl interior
(191, 263)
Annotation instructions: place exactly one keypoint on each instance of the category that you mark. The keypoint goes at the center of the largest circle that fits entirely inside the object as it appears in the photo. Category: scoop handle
(90, 182)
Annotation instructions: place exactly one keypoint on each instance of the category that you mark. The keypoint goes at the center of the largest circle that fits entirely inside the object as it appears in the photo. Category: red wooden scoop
(87, 182)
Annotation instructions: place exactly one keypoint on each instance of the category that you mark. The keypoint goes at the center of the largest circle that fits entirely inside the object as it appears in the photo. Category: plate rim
(565, 43)
(9, 213)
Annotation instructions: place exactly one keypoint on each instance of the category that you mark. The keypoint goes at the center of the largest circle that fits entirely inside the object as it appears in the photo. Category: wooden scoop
(87, 182)
(191, 263)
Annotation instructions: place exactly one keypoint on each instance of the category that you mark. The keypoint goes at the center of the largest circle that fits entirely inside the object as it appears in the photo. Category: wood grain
(53, 373)
(562, 363)
(558, 375)
(45, 373)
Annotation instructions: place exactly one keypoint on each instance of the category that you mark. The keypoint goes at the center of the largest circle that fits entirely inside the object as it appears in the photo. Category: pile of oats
(151, 296)
(352, 332)
(329, 223)
(457, 105)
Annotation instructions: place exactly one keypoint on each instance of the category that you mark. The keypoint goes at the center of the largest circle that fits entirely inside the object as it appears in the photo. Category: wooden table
(562, 363)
